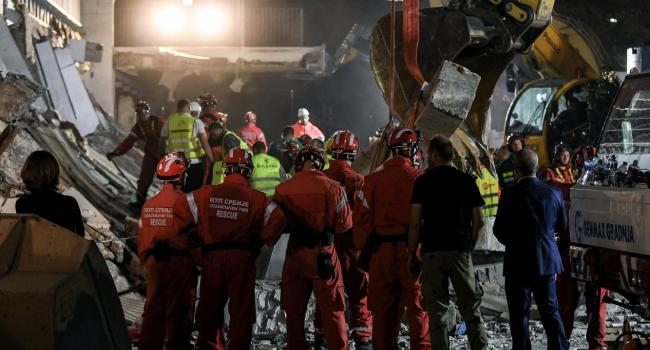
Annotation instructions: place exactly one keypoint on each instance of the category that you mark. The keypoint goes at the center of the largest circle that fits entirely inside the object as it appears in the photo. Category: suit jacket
(528, 216)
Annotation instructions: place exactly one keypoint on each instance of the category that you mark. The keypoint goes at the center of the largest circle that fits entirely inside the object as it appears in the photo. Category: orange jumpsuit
(229, 217)
(313, 205)
(169, 283)
(383, 207)
(148, 131)
(568, 293)
(251, 134)
(354, 278)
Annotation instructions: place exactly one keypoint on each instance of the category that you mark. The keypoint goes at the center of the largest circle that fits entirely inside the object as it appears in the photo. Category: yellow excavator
(485, 36)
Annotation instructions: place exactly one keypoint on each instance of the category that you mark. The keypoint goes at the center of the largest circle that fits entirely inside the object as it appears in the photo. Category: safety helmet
(290, 146)
(315, 155)
(250, 117)
(142, 106)
(514, 137)
(195, 107)
(558, 150)
(402, 138)
(238, 160)
(344, 144)
(172, 167)
(302, 112)
(208, 100)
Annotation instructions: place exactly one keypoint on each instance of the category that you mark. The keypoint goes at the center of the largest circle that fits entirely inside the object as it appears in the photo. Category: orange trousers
(228, 276)
(299, 279)
(391, 290)
(568, 296)
(355, 281)
(168, 308)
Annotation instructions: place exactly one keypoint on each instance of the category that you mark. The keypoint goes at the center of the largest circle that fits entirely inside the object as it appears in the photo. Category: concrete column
(97, 17)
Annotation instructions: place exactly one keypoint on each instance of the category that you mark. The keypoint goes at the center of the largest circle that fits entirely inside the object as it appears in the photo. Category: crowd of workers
(381, 245)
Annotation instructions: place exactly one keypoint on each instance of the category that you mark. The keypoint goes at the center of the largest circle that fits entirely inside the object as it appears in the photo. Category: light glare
(210, 21)
(169, 20)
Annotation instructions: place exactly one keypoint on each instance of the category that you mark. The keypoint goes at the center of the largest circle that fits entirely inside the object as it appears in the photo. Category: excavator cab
(552, 111)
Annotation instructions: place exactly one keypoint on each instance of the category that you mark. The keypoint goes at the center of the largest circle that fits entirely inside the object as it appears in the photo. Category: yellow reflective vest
(180, 136)
(217, 167)
(489, 187)
(266, 173)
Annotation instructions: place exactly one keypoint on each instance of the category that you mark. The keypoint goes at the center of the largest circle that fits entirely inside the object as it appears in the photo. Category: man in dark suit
(528, 216)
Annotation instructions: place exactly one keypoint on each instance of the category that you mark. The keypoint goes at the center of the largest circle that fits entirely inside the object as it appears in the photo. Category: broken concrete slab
(447, 99)
(17, 92)
(14, 61)
(54, 81)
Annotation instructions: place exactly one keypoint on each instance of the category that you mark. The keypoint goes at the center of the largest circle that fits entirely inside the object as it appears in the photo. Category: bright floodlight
(187, 2)
(169, 20)
(210, 20)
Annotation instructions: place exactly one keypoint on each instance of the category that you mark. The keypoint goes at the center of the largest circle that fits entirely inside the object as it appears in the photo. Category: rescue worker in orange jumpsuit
(250, 132)
(344, 148)
(381, 222)
(166, 256)
(316, 210)
(230, 217)
(304, 127)
(147, 127)
(568, 294)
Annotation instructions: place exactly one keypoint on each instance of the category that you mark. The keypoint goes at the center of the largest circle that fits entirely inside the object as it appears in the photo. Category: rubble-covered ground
(271, 332)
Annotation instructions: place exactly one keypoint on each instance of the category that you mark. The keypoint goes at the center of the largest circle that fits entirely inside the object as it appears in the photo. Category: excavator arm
(482, 36)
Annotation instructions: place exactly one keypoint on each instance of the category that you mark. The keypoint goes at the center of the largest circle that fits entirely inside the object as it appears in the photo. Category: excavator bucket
(56, 291)
(481, 38)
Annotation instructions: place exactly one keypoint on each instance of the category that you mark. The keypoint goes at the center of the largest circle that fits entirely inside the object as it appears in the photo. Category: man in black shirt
(445, 221)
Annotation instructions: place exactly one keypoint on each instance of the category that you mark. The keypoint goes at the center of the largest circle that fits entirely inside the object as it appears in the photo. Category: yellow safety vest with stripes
(489, 187)
(180, 136)
(217, 167)
(266, 173)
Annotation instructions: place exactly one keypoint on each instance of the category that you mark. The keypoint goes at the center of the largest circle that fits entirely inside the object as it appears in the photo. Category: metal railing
(44, 11)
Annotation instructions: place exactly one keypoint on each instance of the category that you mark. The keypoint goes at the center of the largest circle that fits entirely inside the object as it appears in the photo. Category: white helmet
(195, 107)
(303, 112)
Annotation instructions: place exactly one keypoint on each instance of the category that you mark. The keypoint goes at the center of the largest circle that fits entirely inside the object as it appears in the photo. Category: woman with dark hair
(40, 175)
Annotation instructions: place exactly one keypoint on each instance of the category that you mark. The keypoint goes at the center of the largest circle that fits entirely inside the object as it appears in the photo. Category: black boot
(319, 343)
(363, 345)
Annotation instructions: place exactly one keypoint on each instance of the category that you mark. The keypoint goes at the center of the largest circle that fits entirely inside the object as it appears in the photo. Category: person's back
(40, 174)
(531, 212)
(445, 220)
(230, 217)
(165, 253)
(391, 190)
(316, 210)
(341, 171)
(55, 207)
(267, 173)
(157, 222)
(448, 196)
(528, 216)
(233, 207)
(382, 217)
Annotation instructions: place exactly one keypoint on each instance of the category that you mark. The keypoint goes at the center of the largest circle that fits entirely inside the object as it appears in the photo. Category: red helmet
(207, 101)
(238, 160)
(250, 117)
(314, 154)
(403, 138)
(172, 167)
(345, 143)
